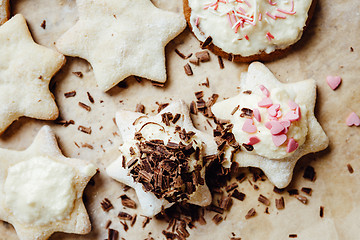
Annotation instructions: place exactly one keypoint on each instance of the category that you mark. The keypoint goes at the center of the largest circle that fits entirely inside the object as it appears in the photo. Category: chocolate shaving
(127, 202)
(280, 203)
(86, 145)
(140, 108)
(247, 92)
(84, 106)
(264, 200)
(91, 99)
(145, 222)
(221, 62)
(306, 190)
(70, 94)
(161, 106)
(309, 173)
(170, 235)
(217, 219)
(350, 168)
(247, 112)
(43, 24)
(214, 208)
(278, 190)
(188, 69)
(199, 94)
(108, 223)
(248, 147)
(125, 226)
(180, 54)
(113, 234)
(292, 235)
(231, 187)
(65, 123)
(206, 83)
(203, 56)
(293, 192)
(106, 205)
(133, 220)
(86, 130)
(78, 74)
(124, 216)
(176, 118)
(206, 43)
(235, 109)
(238, 195)
(302, 199)
(194, 60)
(321, 211)
(226, 203)
(251, 213)
(193, 108)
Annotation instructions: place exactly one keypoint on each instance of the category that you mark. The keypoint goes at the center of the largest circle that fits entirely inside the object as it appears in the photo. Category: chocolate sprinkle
(309, 173)
(217, 219)
(188, 70)
(145, 222)
(106, 205)
(91, 99)
(84, 106)
(321, 211)
(251, 213)
(280, 203)
(127, 202)
(70, 94)
(199, 94)
(350, 168)
(247, 92)
(125, 226)
(206, 43)
(302, 199)
(113, 234)
(180, 54)
(203, 56)
(133, 220)
(140, 108)
(193, 108)
(221, 62)
(78, 74)
(248, 147)
(238, 195)
(308, 191)
(264, 200)
(86, 130)
(43, 24)
(292, 235)
(124, 216)
(108, 223)
(235, 109)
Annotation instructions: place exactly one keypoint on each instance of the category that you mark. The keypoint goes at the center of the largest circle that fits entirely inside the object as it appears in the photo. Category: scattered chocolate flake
(133, 220)
(188, 70)
(293, 192)
(214, 208)
(140, 108)
(91, 99)
(203, 56)
(180, 54)
(235, 109)
(127, 202)
(302, 199)
(217, 219)
(221, 62)
(170, 235)
(231, 187)
(124, 216)
(321, 211)
(248, 147)
(86, 130)
(246, 112)
(226, 203)
(279, 190)
(113, 234)
(280, 203)
(267, 210)
(199, 94)
(241, 177)
(43, 24)
(238, 195)
(264, 200)
(157, 84)
(65, 123)
(206, 43)
(86, 145)
(256, 187)
(235, 238)
(84, 106)
(78, 74)
(206, 83)
(306, 190)
(125, 226)
(108, 223)
(292, 235)
(350, 168)
(126, 188)
(122, 84)
(70, 94)
(309, 173)
(251, 213)
(351, 49)
(77, 145)
(161, 106)
(247, 92)
(106, 205)
(193, 108)
(145, 222)
(176, 118)
(195, 61)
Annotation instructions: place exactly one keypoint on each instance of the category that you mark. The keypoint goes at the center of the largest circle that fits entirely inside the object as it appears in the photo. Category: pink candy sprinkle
(292, 145)
(265, 102)
(353, 120)
(272, 110)
(293, 116)
(257, 115)
(268, 125)
(333, 81)
(265, 91)
(293, 105)
(253, 140)
(286, 124)
(249, 126)
(279, 139)
(276, 128)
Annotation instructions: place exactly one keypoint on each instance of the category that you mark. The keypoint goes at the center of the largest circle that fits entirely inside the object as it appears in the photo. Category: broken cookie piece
(130, 41)
(4, 11)
(162, 158)
(26, 69)
(42, 190)
(275, 123)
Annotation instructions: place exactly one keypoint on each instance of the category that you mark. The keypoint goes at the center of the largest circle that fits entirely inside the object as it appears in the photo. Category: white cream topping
(247, 27)
(40, 191)
(266, 147)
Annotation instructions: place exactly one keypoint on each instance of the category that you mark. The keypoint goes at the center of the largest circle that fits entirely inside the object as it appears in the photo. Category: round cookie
(237, 41)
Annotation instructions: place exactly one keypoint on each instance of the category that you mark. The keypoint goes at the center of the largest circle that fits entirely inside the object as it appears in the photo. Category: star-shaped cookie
(41, 190)
(274, 122)
(122, 38)
(26, 69)
(4, 11)
(152, 128)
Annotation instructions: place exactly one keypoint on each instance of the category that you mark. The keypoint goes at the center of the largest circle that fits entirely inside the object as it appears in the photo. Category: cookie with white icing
(26, 69)
(41, 190)
(248, 30)
(121, 39)
(162, 158)
(274, 122)
(4, 11)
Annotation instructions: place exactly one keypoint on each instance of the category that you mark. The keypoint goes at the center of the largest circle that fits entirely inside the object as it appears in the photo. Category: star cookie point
(275, 123)
(131, 39)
